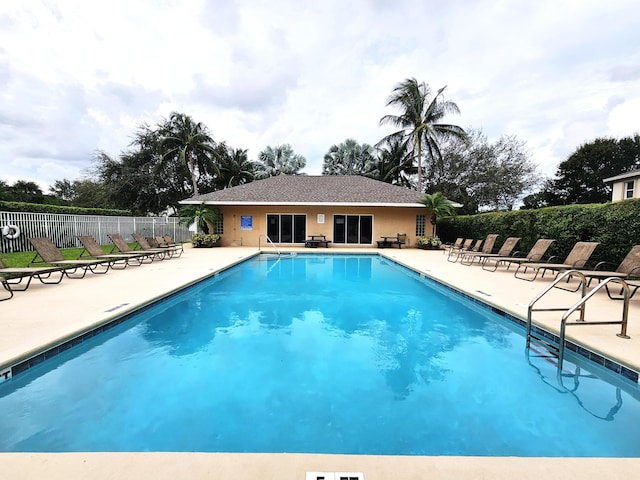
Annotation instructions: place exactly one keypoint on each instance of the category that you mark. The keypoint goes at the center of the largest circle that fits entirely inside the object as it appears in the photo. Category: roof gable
(308, 189)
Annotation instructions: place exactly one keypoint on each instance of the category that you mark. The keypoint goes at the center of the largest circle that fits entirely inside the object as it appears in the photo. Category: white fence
(63, 229)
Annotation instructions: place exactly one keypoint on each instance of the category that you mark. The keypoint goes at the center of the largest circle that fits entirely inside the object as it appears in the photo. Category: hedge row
(615, 225)
(42, 208)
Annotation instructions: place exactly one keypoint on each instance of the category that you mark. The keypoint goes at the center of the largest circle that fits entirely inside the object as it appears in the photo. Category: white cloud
(623, 116)
(80, 76)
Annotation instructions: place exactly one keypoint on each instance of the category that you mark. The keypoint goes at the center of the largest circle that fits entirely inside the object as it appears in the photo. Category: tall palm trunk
(419, 169)
(192, 166)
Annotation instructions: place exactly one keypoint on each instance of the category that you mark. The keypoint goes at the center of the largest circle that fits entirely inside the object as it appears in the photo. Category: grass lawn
(23, 259)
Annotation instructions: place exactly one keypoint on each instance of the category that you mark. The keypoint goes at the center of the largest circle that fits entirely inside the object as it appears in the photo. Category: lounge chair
(454, 250)
(468, 246)
(48, 275)
(153, 241)
(168, 239)
(124, 248)
(633, 285)
(629, 269)
(448, 246)
(47, 252)
(577, 259)
(93, 250)
(163, 242)
(5, 286)
(505, 250)
(145, 247)
(487, 248)
(536, 254)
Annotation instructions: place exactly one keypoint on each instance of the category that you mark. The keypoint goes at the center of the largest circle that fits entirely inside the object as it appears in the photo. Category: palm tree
(26, 191)
(439, 206)
(235, 166)
(189, 144)
(420, 119)
(348, 158)
(393, 162)
(279, 160)
(205, 218)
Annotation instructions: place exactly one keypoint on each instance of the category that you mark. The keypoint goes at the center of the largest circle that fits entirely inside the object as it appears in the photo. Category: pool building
(349, 211)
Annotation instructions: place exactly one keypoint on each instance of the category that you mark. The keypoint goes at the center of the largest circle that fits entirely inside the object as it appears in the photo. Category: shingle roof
(622, 176)
(315, 190)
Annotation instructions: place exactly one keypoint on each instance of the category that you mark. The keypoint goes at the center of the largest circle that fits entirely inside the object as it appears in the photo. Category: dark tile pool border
(24, 365)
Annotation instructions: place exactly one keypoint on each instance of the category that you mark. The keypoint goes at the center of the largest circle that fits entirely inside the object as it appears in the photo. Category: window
(287, 228)
(218, 227)
(628, 189)
(420, 223)
(353, 229)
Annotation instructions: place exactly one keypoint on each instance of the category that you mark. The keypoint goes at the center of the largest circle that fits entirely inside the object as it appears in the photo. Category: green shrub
(614, 225)
(43, 208)
(428, 243)
(205, 240)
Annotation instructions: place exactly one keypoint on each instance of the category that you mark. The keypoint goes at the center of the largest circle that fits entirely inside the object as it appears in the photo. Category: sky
(80, 76)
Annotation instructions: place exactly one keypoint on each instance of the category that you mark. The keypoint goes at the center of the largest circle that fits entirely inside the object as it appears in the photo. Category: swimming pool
(323, 354)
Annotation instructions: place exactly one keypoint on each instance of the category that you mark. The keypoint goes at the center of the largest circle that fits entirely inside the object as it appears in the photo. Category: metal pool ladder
(268, 240)
(548, 341)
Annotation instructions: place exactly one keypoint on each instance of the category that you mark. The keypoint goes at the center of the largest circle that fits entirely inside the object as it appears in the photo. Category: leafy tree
(483, 175)
(4, 190)
(133, 181)
(165, 163)
(234, 166)
(154, 173)
(26, 191)
(549, 195)
(348, 158)
(513, 174)
(187, 143)
(629, 151)
(420, 119)
(533, 201)
(579, 179)
(91, 193)
(63, 189)
(439, 206)
(463, 171)
(139, 181)
(278, 160)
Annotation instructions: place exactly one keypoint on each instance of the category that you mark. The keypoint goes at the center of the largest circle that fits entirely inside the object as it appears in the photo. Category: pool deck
(46, 315)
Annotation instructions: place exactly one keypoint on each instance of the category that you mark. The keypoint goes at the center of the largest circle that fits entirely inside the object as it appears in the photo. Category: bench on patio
(388, 242)
(316, 241)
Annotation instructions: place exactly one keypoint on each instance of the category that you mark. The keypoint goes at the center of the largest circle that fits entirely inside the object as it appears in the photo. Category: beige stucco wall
(386, 221)
(619, 189)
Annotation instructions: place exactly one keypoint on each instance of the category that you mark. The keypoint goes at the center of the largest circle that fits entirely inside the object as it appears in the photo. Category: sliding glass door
(353, 229)
(287, 228)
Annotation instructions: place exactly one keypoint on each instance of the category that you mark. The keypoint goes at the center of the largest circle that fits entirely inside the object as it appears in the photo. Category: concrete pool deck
(45, 315)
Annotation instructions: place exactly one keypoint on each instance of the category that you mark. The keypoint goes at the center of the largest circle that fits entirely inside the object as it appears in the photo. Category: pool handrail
(579, 306)
(268, 240)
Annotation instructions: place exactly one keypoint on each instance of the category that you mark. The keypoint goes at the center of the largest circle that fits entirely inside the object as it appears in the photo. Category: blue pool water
(321, 354)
